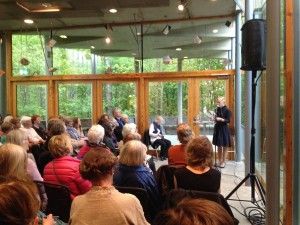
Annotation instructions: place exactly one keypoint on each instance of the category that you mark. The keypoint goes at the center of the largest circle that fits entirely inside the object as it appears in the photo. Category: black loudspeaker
(254, 45)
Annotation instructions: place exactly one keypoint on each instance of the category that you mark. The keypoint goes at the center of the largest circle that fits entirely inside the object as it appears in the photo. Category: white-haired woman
(157, 137)
(95, 138)
(127, 129)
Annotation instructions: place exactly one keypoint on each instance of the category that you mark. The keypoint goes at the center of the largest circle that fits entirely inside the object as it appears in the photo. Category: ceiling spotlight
(63, 36)
(107, 40)
(166, 30)
(51, 43)
(92, 47)
(215, 31)
(180, 7)
(113, 10)
(28, 21)
(197, 40)
(228, 23)
(167, 60)
(138, 33)
(178, 49)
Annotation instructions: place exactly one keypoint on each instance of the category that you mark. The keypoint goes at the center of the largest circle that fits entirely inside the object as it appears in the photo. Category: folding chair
(59, 200)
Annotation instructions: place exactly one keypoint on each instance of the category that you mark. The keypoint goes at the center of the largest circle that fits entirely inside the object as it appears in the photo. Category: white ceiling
(89, 18)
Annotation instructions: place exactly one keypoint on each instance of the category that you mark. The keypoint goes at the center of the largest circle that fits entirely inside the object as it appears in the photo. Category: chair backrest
(175, 196)
(146, 138)
(59, 200)
(165, 179)
(141, 194)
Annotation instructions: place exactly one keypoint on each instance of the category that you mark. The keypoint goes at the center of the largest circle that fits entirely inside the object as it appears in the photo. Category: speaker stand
(252, 176)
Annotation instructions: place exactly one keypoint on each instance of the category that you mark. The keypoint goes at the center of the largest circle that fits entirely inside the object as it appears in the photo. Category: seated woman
(108, 139)
(19, 138)
(76, 141)
(103, 204)
(19, 203)
(194, 211)
(131, 172)
(64, 169)
(127, 128)
(13, 164)
(78, 127)
(95, 138)
(36, 125)
(157, 137)
(176, 153)
(198, 175)
(55, 127)
(6, 128)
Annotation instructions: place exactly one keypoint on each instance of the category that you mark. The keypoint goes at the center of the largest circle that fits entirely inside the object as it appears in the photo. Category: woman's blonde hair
(60, 145)
(13, 160)
(16, 137)
(133, 153)
(199, 152)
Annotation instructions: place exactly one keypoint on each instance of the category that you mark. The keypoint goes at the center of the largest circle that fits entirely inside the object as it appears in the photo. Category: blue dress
(139, 177)
(221, 135)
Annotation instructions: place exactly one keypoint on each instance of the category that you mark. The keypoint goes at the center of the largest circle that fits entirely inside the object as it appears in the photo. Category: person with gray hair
(127, 129)
(157, 137)
(95, 138)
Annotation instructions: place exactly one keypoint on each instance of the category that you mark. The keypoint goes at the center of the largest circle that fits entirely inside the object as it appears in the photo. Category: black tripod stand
(252, 176)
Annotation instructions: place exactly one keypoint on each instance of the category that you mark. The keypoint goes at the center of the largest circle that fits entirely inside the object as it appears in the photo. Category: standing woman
(221, 137)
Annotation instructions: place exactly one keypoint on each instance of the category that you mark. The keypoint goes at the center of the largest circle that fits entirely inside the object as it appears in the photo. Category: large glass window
(164, 98)
(75, 100)
(122, 96)
(32, 99)
(210, 90)
(27, 55)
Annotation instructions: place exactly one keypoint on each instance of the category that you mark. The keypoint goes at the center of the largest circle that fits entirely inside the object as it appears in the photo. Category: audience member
(108, 138)
(131, 172)
(95, 138)
(124, 119)
(16, 122)
(55, 127)
(34, 139)
(36, 125)
(19, 203)
(198, 175)
(103, 119)
(7, 118)
(6, 127)
(194, 212)
(118, 130)
(103, 204)
(177, 156)
(131, 136)
(78, 127)
(33, 136)
(127, 128)
(157, 137)
(18, 137)
(64, 169)
(77, 143)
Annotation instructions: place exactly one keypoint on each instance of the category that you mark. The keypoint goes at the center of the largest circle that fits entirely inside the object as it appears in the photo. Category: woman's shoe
(222, 165)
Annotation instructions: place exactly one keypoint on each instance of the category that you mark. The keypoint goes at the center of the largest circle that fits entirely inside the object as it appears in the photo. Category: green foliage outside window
(32, 99)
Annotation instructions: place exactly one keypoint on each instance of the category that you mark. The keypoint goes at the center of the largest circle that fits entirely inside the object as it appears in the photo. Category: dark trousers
(164, 144)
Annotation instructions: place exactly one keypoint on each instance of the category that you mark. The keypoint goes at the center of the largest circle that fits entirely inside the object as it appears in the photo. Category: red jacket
(67, 173)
